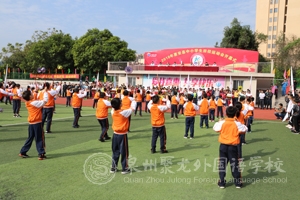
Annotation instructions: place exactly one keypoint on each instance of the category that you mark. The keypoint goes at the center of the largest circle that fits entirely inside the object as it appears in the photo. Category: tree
(93, 50)
(287, 53)
(50, 49)
(241, 37)
(13, 55)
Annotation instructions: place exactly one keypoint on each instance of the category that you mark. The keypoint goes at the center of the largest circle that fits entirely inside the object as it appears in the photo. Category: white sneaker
(185, 137)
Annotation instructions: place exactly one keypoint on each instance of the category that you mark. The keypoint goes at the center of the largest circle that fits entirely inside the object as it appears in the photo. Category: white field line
(52, 120)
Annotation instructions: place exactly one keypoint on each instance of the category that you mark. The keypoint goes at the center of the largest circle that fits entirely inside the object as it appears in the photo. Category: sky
(144, 25)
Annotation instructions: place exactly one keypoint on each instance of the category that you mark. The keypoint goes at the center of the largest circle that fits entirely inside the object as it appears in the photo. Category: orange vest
(34, 113)
(126, 103)
(120, 123)
(189, 109)
(157, 116)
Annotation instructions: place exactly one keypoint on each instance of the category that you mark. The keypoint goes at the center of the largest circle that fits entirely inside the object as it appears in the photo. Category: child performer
(102, 116)
(120, 141)
(229, 130)
(158, 123)
(190, 112)
(35, 129)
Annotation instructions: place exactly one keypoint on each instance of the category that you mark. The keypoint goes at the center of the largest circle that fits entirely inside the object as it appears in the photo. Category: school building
(196, 68)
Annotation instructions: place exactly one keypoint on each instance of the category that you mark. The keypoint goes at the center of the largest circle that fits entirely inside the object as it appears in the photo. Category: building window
(271, 10)
(270, 28)
(270, 19)
(273, 46)
(237, 83)
(271, 1)
(275, 19)
(274, 28)
(268, 55)
(273, 54)
(275, 10)
(275, 1)
(269, 46)
(274, 37)
(269, 37)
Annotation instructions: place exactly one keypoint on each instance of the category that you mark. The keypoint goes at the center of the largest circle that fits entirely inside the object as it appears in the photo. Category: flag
(188, 82)
(69, 71)
(284, 74)
(288, 73)
(75, 71)
(274, 71)
(104, 79)
(97, 82)
(250, 83)
(5, 79)
(292, 82)
(230, 84)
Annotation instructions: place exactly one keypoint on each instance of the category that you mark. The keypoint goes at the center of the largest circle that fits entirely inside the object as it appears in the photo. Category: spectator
(280, 111)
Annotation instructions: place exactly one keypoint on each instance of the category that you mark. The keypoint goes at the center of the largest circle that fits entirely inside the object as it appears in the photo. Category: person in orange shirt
(35, 130)
(212, 107)
(126, 103)
(190, 109)
(203, 104)
(35, 93)
(16, 99)
(76, 104)
(120, 127)
(174, 103)
(96, 98)
(229, 130)
(148, 98)
(7, 99)
(48, 108)
(240, 117)
(158, 123)
(118, 95)
(220, 105)
(182, 100)
(138, 99)
(69, 96)
(102, 116)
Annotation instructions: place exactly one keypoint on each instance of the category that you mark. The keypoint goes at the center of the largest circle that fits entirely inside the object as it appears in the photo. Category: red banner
(222, 57)
(55, 76)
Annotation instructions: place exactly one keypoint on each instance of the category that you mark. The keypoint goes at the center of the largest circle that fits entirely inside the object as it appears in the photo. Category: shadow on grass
(207, 135)
(188, 147)
(58, 155)
(259, 140)
(260, 153)
(13, 139)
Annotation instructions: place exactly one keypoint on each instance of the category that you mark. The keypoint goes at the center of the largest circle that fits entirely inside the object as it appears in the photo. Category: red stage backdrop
(226, 59)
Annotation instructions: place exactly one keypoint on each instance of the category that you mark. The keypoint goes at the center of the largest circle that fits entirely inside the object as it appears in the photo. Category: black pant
(180, 108)
(229, 153)
(68, 103)
(47, 114)
(174, 111)
(35, 131)
(138, 106)
(146, 106)
(7, 99)
(16, 106)
(189, 125)
(211, 114)
(205, 119)
(76, 116)
(262, 102)
(104, 127)
(161, 133)
(295, 120)
(95, 103)
(220, 111)
(120, 147)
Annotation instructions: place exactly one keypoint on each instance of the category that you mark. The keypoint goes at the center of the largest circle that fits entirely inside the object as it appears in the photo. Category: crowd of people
(126, 101)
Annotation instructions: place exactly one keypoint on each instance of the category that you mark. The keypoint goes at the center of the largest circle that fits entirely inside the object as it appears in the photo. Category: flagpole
(5, 79)
(292, 82)
(250, 83)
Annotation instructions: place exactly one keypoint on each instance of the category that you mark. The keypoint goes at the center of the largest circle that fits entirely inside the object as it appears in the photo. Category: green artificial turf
(188, 171)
